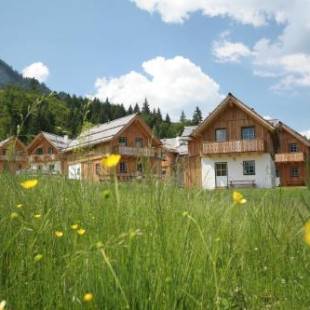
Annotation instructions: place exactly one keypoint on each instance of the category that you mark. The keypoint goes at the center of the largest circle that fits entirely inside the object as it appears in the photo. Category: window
(220, 135)
(123, 167)
(277, 173)
(293, 147)
(139, 142)
(247, 133)
(221, 169)
(294, 172)
(140, 167)
(50, 150)
(39, 151)
(51, 168)
(98, 169)
(249, 167)
(123, 141)
(3, 152)
(39, 167)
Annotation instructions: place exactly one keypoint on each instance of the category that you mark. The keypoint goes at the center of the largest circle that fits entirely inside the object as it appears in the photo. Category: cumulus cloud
(37, 70)
(226, 51)
(285, 58)
(306, 133)
(173, 84)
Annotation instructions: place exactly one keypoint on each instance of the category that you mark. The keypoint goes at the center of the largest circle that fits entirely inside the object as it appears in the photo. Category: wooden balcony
(289, 157)
(137, 151)
(42, 158)
(237, 146)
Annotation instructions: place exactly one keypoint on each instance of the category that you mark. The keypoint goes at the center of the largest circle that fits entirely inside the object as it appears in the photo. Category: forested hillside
(27, 107)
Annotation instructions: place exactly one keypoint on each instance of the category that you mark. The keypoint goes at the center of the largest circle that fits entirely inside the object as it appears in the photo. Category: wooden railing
(137, 151)
(42, 158)
(13, 157)
(238, 146)
(289, 157)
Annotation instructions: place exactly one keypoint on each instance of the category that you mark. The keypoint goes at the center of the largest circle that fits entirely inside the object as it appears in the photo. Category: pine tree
(130, 110)
(183, 118)
(136, 109)
(146, 107)
(197, 116)
(167, 119)
(158, 115)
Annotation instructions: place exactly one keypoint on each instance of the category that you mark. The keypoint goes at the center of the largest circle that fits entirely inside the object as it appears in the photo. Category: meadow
(72, 245)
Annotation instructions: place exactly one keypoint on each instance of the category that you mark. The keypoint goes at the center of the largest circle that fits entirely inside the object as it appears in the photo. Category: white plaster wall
(45, 166)
(74, 171)
(264, 168)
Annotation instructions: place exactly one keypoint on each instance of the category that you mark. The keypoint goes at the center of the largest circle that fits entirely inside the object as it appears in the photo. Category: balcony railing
(289, 157)
(238, 146)
(13, 158)
(42, 158)
(137, 151)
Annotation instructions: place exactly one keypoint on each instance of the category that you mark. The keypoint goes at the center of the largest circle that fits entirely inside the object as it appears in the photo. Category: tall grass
(163, 248)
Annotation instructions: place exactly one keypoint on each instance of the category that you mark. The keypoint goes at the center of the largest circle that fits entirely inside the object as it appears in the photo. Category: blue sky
(178, 56)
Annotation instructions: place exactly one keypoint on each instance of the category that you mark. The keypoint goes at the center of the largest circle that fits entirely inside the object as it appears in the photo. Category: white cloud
(37, 70)
(172, 84)
(226, 51)
(306, 133)
(285, 58)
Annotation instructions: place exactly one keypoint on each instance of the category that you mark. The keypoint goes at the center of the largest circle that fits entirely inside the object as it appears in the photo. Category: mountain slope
(8, 76)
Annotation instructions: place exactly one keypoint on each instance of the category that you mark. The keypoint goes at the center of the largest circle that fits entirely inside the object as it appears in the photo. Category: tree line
(25, 112)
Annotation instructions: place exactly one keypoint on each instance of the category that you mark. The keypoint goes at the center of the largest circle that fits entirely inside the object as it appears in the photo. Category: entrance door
(221, 175)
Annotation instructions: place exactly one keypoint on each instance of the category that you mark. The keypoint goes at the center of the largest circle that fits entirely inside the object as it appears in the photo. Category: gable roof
(59, 142)
(6, 141)
(105, 132)
(231, 98)
(278, 124)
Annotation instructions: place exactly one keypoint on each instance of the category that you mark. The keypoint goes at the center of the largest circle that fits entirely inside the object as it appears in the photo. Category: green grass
(161, 248)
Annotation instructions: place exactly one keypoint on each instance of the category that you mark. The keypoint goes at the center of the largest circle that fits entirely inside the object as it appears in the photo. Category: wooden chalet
(13, 155)
(45, 153)
(128, 136)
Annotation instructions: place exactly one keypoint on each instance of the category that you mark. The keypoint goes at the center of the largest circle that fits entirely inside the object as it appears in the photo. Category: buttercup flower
(81, 231)
(14, 215)
(74, 226)
(37, 216)
(59, 233)
(88, 297)
(2, 304)
(29, 184)
(38, 257)
(111, 161)
(238, 198)
(307, 233)
(19, 206)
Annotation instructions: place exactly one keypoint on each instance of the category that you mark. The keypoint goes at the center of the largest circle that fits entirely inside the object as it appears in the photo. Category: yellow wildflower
(59, 233)
(238, 198)
(88, 297)
(29, 184)
(74, 226)
(81, 231)
(2, 304)
(307, 233)
(19, 206)
(37, 216)
(111, 161)
(14, 215)
(38, 257)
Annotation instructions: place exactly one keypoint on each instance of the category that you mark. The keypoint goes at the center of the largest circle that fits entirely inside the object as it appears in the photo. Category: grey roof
(2, 143)
(188, 131)
(59, 142)
(177, 145)
(101, 133)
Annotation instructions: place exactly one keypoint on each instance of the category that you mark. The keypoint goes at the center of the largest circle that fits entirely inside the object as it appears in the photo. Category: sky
(178, 54)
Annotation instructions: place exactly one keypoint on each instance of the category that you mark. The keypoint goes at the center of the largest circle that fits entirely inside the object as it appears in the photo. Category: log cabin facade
(235, 146)
(128, 136)
(13, 156)
(45, 153)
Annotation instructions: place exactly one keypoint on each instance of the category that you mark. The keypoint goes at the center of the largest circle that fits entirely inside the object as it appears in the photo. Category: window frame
(37, 151)
(124, 142)
(245, 166)
(141, 141)
(50, 150)
(294, 149)
(248, 137)
(218, 130)
(221, 170)
(123, 164)
(294, 169)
